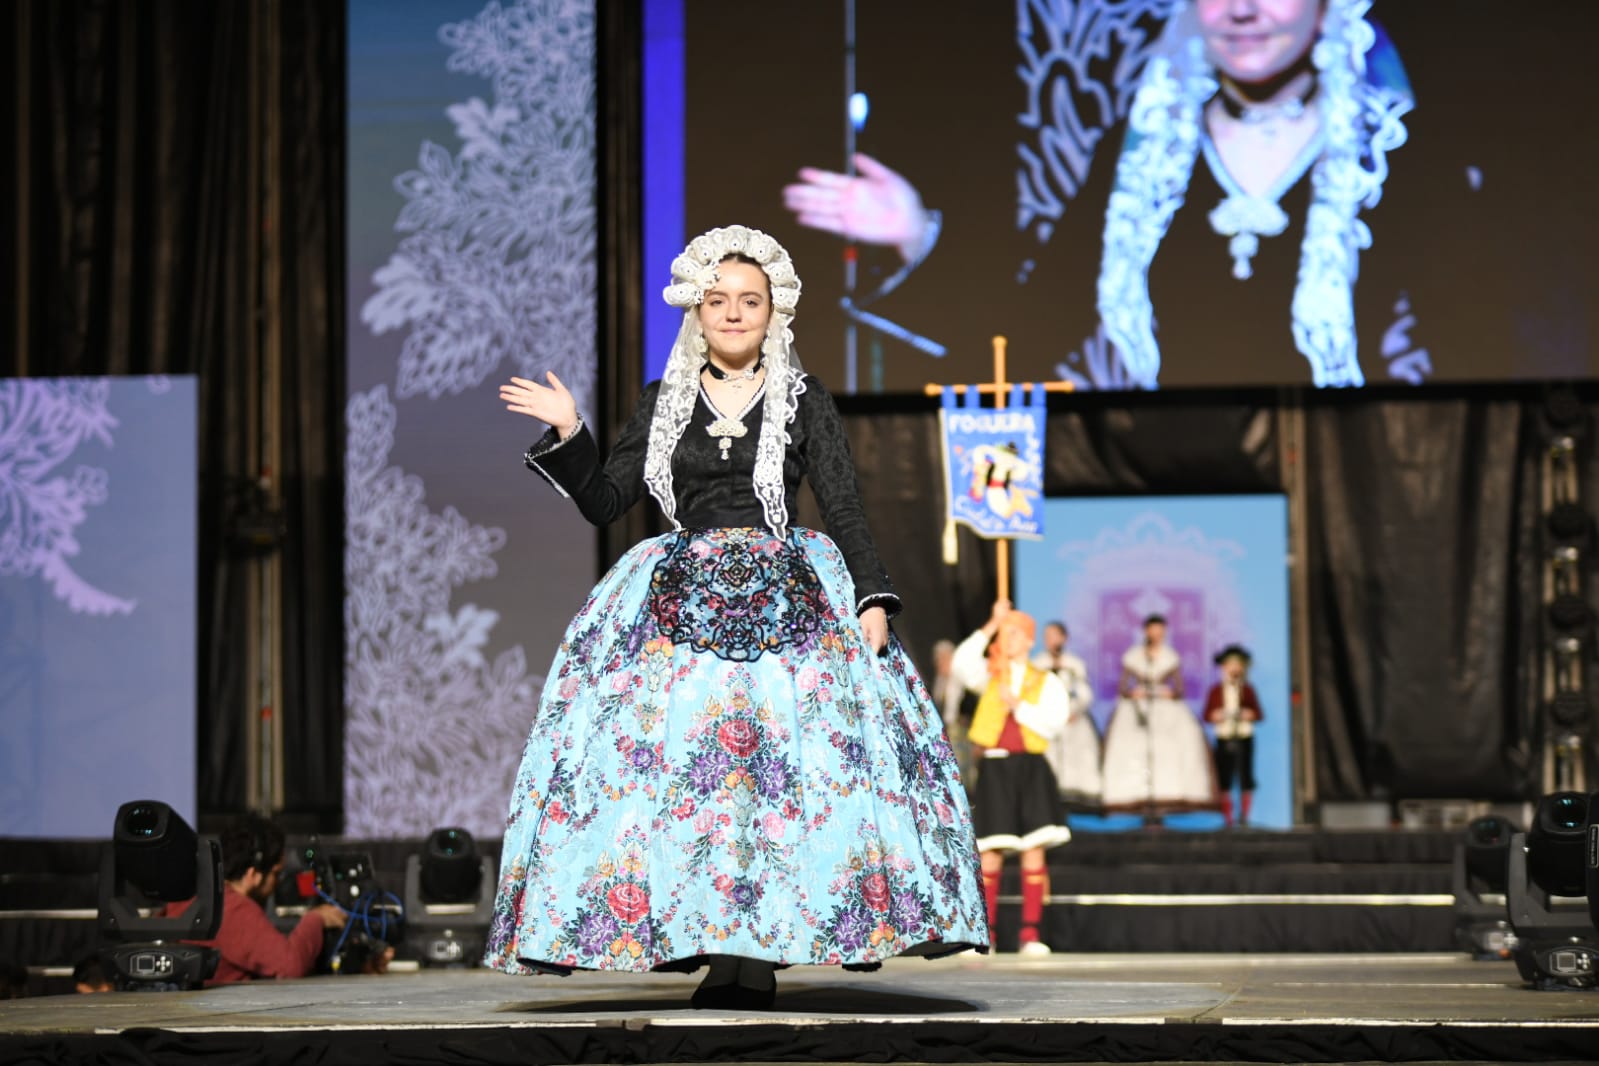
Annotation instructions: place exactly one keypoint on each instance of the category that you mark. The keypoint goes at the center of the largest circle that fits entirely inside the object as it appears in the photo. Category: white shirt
(1073, 673)
(1047, 717)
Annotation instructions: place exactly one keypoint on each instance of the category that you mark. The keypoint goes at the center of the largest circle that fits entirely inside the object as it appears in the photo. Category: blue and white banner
(994, 462)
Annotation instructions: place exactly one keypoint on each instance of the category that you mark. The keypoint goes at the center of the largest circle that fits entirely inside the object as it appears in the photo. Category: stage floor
(1190, 1008)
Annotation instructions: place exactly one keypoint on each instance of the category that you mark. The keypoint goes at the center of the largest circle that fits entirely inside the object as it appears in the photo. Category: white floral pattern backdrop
(472, 244)
(97, 600)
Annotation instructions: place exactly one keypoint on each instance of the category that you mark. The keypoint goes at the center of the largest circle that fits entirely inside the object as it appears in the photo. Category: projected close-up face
(1253, 41)
(736, 310)
(1155, 194)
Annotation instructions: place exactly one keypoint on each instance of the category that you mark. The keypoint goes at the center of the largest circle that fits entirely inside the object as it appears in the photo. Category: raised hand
(876, 206)
(548, 403)
(997, 616)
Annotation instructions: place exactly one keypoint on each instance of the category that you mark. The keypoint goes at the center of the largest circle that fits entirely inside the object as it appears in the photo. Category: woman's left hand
(874, 621)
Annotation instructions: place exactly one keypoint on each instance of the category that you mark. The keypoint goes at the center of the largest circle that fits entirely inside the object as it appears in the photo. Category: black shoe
(754, 998)
(732, 997)
(717, 997)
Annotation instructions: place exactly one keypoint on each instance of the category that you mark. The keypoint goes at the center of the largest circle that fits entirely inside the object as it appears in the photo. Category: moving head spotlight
(155, 858)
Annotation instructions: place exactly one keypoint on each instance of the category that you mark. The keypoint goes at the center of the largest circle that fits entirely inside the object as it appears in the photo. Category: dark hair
(740, 257)
(13, 980)
(1155, 620)
(91, 970)
(1058, 624)
(251, 843)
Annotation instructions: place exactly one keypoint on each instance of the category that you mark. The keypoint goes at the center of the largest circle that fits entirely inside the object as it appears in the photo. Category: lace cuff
(888, 601)
(549, 444)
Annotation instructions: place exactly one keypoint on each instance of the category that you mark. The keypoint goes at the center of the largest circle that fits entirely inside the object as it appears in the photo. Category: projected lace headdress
(1363, 95)
(693, 274)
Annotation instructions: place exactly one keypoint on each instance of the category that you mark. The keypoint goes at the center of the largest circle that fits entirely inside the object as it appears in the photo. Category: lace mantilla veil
(1362, 103)
(693, 273)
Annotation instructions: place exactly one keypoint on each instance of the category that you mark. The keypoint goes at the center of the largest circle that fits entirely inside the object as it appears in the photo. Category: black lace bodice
(712, 492)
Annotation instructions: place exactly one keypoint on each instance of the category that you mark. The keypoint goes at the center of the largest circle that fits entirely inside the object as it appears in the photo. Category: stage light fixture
(1569, 711)
(1569, 524)
(449, 899)
(1568, 613)
(1480, 877)
(1556, 945)
(450, 868)
(155, 858)
(1591, 851)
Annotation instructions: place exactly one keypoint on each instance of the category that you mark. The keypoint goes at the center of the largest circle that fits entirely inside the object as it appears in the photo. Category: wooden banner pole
(1001, 545)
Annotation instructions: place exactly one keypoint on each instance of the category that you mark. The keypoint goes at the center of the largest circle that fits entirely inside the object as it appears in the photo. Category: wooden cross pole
(1000, 389)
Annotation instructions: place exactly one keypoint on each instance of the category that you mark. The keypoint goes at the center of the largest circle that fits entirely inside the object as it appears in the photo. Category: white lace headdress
(693, 274)
(1361, 118)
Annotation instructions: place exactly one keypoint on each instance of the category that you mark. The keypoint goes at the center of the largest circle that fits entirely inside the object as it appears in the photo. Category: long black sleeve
(831, 470)
(603, 493)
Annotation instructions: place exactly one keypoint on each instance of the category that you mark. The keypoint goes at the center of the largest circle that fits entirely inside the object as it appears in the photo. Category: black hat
(1233, 651)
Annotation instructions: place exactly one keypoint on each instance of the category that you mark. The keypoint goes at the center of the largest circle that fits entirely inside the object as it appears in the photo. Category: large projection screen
(1413, 207)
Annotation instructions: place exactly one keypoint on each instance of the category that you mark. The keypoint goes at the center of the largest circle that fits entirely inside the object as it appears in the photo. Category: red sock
(1227, 807)
(1035, 886)
(1248, 798)
(991, 894)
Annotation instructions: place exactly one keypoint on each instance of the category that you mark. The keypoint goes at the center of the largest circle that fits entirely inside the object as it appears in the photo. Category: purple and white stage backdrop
(471, 258)
(97, 600)
(1215, 566)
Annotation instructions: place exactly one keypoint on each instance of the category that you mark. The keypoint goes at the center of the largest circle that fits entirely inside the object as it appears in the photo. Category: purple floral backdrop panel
(97, 600)
(471, 259)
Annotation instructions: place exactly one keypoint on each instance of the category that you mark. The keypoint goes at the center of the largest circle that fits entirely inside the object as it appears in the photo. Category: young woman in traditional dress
(734, 763)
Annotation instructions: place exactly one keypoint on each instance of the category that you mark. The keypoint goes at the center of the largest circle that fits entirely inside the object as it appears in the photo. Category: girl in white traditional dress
(1156, 757)
(1074, 752)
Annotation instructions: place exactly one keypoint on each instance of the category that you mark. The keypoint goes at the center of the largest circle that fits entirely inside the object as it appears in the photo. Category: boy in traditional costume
(1016, 806)
(1232, 709)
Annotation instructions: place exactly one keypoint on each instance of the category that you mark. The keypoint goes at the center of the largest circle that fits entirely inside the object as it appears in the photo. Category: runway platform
(1079, 1008)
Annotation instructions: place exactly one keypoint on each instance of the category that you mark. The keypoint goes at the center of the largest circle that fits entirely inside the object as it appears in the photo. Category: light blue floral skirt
(721, 765)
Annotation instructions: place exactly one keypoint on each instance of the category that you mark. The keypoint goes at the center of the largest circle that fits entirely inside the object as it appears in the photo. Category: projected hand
(548, 403)
(877, 206)
(874, 620)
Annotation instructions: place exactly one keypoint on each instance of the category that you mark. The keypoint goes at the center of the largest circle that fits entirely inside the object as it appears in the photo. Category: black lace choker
(740, 375)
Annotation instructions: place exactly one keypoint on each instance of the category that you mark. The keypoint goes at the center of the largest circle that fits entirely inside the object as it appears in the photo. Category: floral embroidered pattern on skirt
(720, 765)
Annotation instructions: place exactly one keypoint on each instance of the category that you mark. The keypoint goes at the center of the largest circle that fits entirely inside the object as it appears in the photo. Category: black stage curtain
(1425, 568)
(145, 245)
(619, 166)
